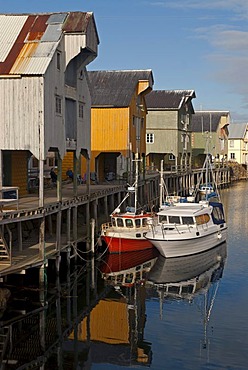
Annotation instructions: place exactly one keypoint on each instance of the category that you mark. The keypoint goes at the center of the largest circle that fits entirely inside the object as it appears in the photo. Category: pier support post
(58, 231)
(92, 236)
(57, 264)
(106, 212)
(87, 209)
(95, 204)
(19, 227)
(68, 222)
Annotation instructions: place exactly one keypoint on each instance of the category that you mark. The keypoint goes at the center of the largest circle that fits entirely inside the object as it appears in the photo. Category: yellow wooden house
(118, 120)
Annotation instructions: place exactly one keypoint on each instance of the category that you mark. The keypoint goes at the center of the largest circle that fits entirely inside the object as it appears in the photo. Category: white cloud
(240, 7)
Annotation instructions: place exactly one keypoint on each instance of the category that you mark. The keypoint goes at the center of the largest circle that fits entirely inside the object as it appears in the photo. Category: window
(150, 138)
(231, 143)
(58, 104)
(129, 223)
(144, 222)
(188, 220)
(120, 222)
(81, 110)
(58, 60)
(202, 219)
(174, 219)
(171, 157)
(232, 155)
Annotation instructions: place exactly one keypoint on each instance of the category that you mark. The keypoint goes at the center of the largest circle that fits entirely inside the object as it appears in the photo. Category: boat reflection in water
(189, 278)
(126, 269)
(115, 326)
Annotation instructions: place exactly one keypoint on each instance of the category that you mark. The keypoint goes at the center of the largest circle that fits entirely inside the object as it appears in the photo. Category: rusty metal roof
(28, 41)
(167, 99)
(116, 88)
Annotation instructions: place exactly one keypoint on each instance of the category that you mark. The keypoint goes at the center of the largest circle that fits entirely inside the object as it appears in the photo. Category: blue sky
(188, 44)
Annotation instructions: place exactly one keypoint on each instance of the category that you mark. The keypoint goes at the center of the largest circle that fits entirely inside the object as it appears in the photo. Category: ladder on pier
(5, 258)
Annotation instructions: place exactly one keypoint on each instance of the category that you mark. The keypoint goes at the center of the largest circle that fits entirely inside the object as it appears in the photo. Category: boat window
(218, 214)
(187, 289)
(120, 278)
(129, 223)
(173, 289)
(144, 221)
(113, 221)
(188, 220)
(202, 219)
(137, 222)
(174, 219)
(129, 278)
(120, 222)
(163, 219)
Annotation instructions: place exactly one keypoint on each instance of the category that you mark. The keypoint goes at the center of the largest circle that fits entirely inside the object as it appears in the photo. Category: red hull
(120, 245)
(118, 262)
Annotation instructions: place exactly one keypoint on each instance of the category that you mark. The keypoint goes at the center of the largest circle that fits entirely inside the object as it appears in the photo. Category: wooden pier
(31, 235)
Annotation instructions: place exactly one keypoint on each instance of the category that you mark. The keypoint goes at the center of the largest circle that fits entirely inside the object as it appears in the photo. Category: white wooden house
(45, 99)
(238, 143)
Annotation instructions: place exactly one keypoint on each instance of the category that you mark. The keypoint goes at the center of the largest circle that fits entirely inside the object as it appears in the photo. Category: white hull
(176, 246)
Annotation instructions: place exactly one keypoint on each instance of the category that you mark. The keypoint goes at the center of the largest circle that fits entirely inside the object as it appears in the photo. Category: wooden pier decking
(28, 209)
(59, 226)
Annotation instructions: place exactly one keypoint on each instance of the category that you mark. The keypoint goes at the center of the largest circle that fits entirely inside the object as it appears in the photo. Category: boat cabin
(192, 214)
(136, 221)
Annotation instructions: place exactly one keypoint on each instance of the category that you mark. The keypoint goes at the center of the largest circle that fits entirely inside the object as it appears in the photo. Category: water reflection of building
(115, 327)
(35, 326)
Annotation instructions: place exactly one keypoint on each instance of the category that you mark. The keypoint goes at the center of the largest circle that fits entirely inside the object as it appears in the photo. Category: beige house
(238, 143)
(209, 135)
(168, 129)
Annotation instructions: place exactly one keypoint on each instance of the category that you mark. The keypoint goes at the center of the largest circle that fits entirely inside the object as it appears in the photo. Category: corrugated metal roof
(115, 88)
(10, 27)
(167, 99)
(28, 42)
(34, 58)
(207, 120)
(52, 33)
(77, 22)
(237, 130)
(57, 18)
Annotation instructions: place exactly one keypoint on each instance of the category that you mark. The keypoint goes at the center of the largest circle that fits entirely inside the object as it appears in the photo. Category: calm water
(188, 313)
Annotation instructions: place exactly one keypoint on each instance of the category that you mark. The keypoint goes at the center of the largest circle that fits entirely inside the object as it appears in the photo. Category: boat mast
(161, 195)
(136, 182)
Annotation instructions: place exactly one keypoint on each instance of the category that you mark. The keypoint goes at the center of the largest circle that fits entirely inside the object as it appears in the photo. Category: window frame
(149, 138)
(58, 105)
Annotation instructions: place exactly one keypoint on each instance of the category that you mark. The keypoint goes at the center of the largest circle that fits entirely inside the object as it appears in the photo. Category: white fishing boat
(186, 227)
(126, 230)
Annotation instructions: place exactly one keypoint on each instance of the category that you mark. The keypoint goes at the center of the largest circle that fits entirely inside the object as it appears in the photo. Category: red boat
(126, 231)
